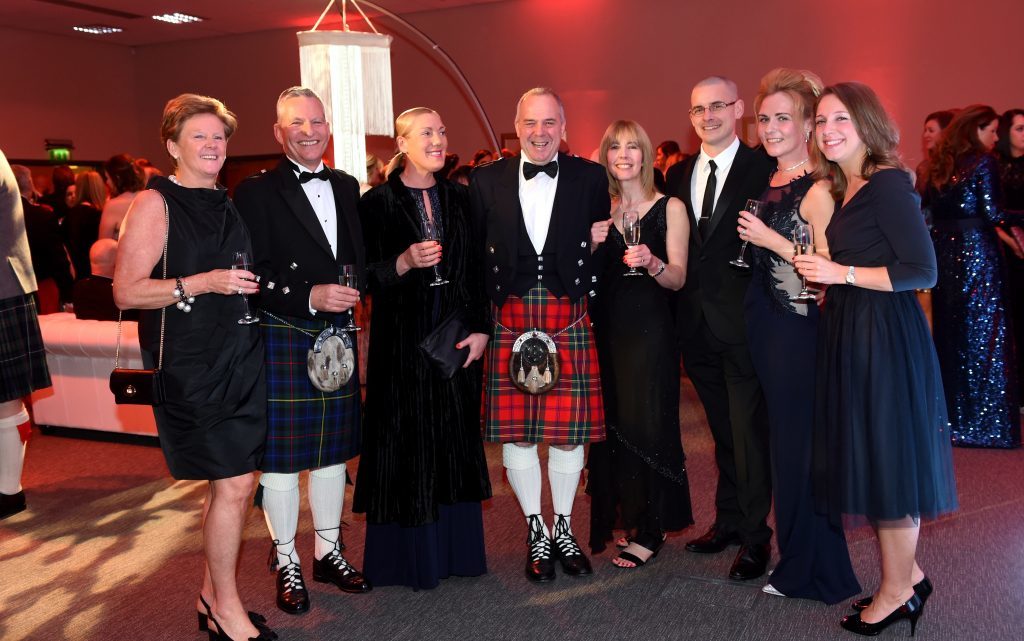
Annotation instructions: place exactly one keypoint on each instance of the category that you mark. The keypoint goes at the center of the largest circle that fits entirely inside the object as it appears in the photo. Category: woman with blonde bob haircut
(637, 477)
(814, 562)
(881, 441)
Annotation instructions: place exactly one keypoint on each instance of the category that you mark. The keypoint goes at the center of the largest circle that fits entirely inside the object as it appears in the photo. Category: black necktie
(708, 208)
(530, 170)
(306, 176)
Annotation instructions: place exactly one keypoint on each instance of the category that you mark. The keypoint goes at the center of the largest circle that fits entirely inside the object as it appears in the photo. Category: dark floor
(109, 549)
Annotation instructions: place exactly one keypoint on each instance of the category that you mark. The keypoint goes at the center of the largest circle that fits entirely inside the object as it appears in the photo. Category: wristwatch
(851, 278)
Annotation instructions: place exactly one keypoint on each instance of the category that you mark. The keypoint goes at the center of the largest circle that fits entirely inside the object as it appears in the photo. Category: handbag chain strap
(163, 311)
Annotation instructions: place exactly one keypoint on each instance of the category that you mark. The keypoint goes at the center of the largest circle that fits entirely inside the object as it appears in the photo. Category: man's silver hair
(541, 91)
(296, 92)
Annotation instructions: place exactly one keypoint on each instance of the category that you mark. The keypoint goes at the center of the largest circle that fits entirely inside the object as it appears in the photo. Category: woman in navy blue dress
(782, 333)
(881, 446)
(971, 302)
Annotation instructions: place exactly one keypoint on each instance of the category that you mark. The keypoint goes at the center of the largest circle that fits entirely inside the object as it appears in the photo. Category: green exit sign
(59, 155)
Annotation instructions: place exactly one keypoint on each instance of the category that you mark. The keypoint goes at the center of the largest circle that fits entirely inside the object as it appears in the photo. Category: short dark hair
(1003, 144)
(668, 148)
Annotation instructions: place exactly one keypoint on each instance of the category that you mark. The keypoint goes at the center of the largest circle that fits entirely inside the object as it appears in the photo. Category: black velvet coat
(421, 434)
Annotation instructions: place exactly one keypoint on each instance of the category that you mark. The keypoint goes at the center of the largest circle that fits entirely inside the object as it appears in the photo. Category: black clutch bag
(141, 386)
(137, 386)
(439, 345)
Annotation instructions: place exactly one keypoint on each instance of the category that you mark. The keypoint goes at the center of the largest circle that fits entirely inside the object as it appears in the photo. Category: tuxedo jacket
(581, 199)
(291, 253)
(714, 290)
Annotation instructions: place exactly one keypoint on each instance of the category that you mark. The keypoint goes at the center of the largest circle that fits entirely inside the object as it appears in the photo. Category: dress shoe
(333, 568)
(258, 620)
(215, 633)
(574, 562)
(292, 596)
(539, 565)
(751, 562)
(11, 504)
(713, 541)
(922, 588)
(911, 610)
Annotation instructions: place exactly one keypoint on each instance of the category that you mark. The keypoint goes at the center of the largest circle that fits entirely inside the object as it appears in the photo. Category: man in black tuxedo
(536, 211)
(304, 225)
(715, 185)
(49, 258)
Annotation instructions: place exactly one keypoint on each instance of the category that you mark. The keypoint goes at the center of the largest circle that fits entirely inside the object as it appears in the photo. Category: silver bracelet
(661, 269)
(184, 300)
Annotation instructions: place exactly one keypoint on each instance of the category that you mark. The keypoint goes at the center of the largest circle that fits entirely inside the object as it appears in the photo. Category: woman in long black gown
(422, 471)
(814, 562)
(881, 443)
(638, 476)
(213, 423)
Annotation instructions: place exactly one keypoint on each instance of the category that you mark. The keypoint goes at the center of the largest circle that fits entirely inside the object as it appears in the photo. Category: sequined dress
(814, 562)
(972, 327)
(638, 475)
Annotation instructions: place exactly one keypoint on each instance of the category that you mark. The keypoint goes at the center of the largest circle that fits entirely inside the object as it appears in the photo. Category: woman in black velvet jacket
(422, 471)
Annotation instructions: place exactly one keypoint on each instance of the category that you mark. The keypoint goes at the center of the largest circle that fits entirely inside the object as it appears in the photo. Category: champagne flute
(348, 277)
(631, 234)
(754, 207)
(430, 232)
(803, 244)
(241, 261)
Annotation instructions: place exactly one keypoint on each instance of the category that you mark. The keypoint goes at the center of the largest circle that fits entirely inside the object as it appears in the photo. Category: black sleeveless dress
(814, 561)
(214, 422)
(638, 476)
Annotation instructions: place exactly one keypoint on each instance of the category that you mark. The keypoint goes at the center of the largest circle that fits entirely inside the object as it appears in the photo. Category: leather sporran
(534, 366)
(331, 361)
(137, 386)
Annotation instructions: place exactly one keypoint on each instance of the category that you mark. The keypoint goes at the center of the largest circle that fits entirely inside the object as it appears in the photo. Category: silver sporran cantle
(534, 367)
(331, 361)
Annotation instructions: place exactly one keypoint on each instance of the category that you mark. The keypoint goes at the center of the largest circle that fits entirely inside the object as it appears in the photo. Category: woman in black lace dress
(638, 476)
(814, 562)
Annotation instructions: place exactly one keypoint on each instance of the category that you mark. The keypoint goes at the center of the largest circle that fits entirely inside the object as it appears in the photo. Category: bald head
(102, 255)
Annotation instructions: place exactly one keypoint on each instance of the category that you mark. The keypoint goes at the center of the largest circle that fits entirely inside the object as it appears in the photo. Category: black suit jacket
(714, 290)
(49, 259)
(581, 199)
(291, 251)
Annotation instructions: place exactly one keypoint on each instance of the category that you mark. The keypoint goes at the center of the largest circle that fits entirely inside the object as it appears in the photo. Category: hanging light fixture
(351, 71)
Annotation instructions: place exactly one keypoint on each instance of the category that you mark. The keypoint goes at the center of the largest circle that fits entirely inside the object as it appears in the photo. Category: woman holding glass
(422, 471)
(212, 424)
(782, 331)
(638, 476)
(881, 443)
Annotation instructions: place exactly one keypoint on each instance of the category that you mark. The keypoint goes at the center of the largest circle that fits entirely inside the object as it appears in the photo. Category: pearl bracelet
(184, 300)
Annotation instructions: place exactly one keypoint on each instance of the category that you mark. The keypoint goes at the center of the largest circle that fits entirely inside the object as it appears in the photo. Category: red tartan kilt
(572, 412)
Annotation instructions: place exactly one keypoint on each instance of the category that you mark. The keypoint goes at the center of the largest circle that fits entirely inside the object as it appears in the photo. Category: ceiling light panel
(98, 29)
(177, 18)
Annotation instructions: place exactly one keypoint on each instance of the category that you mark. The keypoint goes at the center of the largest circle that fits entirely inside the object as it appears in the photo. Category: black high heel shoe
(258, 621)
(922, 588)
(910, 610)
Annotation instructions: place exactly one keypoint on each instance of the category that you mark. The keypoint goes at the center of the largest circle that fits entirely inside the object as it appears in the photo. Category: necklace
(796, 166)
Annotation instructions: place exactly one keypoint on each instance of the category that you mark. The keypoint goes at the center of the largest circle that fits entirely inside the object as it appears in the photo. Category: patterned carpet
(109, 549)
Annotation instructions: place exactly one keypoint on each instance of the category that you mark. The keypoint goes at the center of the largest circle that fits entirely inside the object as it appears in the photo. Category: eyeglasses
(715, 107)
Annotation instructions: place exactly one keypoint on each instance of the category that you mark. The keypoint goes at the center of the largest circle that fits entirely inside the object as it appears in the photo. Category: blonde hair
(403, 127)
(803, 87)
(90, 188)
(179, 110)
(628, 131)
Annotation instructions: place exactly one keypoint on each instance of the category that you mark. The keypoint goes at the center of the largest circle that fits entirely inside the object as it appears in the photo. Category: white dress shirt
(537, 198)
(321, 197)
(699, 179)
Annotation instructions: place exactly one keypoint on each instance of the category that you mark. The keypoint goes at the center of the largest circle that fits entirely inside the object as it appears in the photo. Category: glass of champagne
(348, 277)
(631, 234)
(803, 244)
(242, 261)
(430, 232)
(754, 207)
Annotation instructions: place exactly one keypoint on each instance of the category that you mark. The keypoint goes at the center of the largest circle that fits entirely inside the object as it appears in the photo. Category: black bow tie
(530, 170)
(306, 176)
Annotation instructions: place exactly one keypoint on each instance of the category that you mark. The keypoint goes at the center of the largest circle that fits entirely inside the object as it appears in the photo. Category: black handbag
(141, 386)
(439, 345)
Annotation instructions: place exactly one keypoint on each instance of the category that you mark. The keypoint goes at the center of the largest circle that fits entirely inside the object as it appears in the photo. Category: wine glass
(803, 244)
(430, 232)
(242, 261)
(754, 207)
(348, 277)
(631, 234)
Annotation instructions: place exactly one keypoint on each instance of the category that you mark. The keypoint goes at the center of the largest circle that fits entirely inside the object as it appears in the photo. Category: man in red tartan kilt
(304, 225)
(536, 211)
